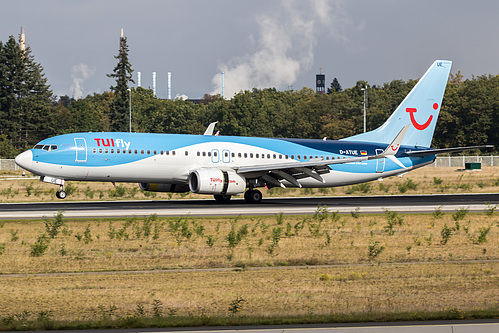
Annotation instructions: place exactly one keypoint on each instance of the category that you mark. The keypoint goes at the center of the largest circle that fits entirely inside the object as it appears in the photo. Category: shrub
(52, 226)
(460, 214)
(41, 245)
(407, 185)
(236, 305)
(446, 233)
(374, 250)
(437, 180)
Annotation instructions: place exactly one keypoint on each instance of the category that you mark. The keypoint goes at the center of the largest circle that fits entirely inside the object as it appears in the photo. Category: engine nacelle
(216, 181)
(153, 187)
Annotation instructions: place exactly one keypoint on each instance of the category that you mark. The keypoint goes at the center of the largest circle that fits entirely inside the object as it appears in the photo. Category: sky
(256, 43)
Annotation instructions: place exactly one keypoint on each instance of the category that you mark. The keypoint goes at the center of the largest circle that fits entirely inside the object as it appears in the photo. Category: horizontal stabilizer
(427, 152)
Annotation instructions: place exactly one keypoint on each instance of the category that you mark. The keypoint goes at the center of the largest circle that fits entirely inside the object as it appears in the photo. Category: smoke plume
(79, 74)
(285, 44)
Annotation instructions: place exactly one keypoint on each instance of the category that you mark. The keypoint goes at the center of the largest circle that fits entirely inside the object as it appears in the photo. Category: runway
(269, 206)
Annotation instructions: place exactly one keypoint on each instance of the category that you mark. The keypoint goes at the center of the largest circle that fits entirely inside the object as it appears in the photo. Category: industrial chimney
(23, 39)
(154, 83)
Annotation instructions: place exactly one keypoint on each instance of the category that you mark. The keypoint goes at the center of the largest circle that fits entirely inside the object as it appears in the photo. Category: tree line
(30, 112)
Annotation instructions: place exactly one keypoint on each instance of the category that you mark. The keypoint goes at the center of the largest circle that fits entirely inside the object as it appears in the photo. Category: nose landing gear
(61, 194)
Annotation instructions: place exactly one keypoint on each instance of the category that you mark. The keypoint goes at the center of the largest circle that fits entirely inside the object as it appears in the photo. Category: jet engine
(216, 181)
(153, 187)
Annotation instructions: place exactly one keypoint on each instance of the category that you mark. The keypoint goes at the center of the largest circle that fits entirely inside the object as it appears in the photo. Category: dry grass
(464, 275)
(123, 244)
(390, 289)
(428, 179)
(102, 245)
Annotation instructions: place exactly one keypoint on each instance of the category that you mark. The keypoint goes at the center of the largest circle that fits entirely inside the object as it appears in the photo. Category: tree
(26, 111)
(335, 86)
(119, 115)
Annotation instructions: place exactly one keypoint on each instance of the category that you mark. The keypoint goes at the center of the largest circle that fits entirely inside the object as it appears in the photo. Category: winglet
(210, 128)
(394, 147)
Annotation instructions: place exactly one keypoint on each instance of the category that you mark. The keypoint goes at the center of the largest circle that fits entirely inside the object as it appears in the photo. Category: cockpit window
(46, 147)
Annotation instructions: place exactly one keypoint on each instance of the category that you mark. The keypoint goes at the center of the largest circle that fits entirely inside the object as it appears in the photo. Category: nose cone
(25, 160)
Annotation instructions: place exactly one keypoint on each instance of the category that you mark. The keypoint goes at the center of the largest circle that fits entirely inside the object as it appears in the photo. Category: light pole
(364, 90)
(130, 120)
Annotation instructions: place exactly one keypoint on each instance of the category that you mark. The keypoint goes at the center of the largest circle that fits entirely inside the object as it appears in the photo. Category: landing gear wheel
(61, 194)
(253, 196)
(223, 198)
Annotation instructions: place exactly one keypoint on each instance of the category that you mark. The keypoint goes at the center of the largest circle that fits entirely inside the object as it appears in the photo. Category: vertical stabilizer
(419, 109)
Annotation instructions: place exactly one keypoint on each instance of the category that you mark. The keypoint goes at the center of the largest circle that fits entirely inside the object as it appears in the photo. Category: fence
(441, 161)
(8, 165)
(459, 161)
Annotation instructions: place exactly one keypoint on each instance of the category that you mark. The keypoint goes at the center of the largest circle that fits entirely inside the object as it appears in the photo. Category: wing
(295, 170)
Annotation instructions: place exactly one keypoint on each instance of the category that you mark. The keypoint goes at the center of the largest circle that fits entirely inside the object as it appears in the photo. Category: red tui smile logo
(413, 119)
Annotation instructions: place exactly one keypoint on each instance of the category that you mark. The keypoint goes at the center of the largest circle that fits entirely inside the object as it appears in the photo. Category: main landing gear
(253, 196)
(222, 198)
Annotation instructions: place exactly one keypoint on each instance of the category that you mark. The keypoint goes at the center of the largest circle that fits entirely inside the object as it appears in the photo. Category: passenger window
(161, 152)
(209, 153)
(215, 154)
(112, 151)
(292, 157)
(251, 155)
(226, 154)
(155, 152)
(286, 156)
(167, 152)
(233, 155)
(257, 155)
(106, 151)
(238, 154)
(118, 151)
(148, 152)
(204, 153)
(100, 150)
(198, 153)
(173, 153)
(280, 156)
(186, 153)
(135, 151)
(268, 155)
(245, 155)
(274, 156)
(94, 150)
(142, 152)
(129, 151)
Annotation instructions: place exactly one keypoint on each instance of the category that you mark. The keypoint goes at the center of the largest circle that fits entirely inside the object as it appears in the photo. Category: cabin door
(380, 162)
(81, 149)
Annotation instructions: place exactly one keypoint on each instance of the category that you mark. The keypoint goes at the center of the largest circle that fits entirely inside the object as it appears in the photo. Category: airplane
(224, 166)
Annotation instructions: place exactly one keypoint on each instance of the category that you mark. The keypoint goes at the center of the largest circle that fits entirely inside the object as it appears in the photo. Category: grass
(352, 294)
(425, 180)
(372, 274)
(153, 243)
